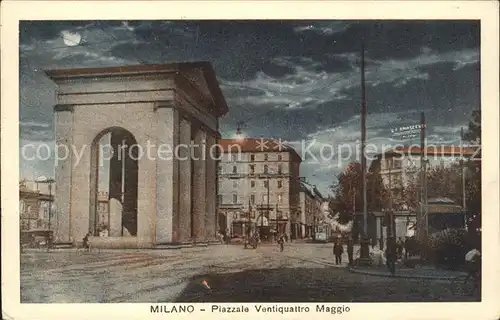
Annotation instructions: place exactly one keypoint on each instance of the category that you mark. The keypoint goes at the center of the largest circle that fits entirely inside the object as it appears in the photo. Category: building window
(252, 157)
(220, 169)
(280, 197)
(397, 163)
(235, 169)
(235, 183)
(280, 169)
(252, 169)
(264, 198)
(266, 157)
(235, 198)
(252, 198)
(252, 184)
(280, 184)
(280, 157)
(266, 169)
(219, 198)
(266, 184)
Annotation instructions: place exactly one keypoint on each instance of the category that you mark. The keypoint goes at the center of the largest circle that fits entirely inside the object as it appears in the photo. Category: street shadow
(313, 285)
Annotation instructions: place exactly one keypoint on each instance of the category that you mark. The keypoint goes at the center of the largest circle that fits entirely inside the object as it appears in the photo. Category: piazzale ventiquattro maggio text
(321, 308)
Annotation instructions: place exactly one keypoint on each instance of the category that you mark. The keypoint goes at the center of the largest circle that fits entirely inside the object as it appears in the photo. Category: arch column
(167, 176)
(63, 172)
(185, 188)
(199, 185)
(211, 190)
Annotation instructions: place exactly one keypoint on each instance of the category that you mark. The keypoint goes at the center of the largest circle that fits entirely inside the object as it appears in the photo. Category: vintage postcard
(223, 159)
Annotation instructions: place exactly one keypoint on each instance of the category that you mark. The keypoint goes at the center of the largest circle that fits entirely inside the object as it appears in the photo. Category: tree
(473, 185)
(445, 181)
(347, 191)
(377, 195)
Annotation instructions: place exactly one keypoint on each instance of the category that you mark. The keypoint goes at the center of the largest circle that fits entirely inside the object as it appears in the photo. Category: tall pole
(423, 184)
(123, 182)
(268, 202)
(389, 229)
(363, 141)
(464, 200)
(365, 249)
(50, 203)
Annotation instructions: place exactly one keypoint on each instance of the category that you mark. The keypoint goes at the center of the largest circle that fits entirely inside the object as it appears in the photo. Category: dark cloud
(438, 69)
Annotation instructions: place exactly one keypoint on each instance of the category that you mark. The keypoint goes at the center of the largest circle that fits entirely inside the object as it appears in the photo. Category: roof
(205, 66)
(434, 150)
(255, 145)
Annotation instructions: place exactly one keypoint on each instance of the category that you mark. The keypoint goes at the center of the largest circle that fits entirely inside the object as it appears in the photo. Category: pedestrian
(49, 242)
(338, 250)
(473, 266)
(400, 246)
(350, 250)
(407, 247)
(390, 255)
(86, 244)
(281, 242)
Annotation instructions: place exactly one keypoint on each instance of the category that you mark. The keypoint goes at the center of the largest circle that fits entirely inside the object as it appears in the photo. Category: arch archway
(222, 222)
(114, 166)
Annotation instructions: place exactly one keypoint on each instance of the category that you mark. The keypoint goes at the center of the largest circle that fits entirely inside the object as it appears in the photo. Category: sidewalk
(422, 272)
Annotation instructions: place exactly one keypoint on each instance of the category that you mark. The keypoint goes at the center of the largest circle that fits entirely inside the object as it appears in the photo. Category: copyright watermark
(313, 151)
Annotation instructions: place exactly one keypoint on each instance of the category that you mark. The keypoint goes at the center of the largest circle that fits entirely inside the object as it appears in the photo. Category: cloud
(325, 28)
(298, 80)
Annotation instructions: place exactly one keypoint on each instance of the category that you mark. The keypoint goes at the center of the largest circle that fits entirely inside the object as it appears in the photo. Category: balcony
(231, 205)
(265, 206)
(270, 175)
(233, 175)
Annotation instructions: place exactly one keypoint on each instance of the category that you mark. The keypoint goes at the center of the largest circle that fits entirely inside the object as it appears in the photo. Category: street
(302, 273)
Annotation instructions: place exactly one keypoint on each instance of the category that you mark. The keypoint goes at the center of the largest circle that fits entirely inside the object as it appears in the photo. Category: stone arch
(123, 182)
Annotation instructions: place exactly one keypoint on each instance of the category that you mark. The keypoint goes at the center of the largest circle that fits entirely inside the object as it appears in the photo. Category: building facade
(103, 210)
(36, 204)
(311, 202)
(260, 186)
(165, 197)
(401, 166)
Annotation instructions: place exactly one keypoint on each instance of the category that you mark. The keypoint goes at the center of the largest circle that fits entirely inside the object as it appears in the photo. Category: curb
(396, 275)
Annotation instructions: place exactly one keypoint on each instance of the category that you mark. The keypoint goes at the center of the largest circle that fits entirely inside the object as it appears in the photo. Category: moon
(71, 39)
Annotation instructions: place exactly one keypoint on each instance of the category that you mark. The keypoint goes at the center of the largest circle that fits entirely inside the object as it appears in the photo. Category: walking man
(391, 255)
(338, 250)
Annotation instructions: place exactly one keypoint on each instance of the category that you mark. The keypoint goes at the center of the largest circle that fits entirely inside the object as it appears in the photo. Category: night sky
(298, 81)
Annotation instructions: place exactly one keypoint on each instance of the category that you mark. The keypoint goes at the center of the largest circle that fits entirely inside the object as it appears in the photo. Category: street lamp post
(364, 250)
(50, 204)
(49, 182)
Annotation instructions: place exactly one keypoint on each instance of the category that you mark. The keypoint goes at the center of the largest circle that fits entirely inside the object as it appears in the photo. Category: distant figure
(473, 263)
(86, 243)
(338, 250)
(350, 250)
(399, 248)
(281, 242)
(49, 242)
(391, 255)
(407, 245)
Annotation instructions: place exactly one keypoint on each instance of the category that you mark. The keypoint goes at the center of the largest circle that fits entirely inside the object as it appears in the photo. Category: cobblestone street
(303, 272)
